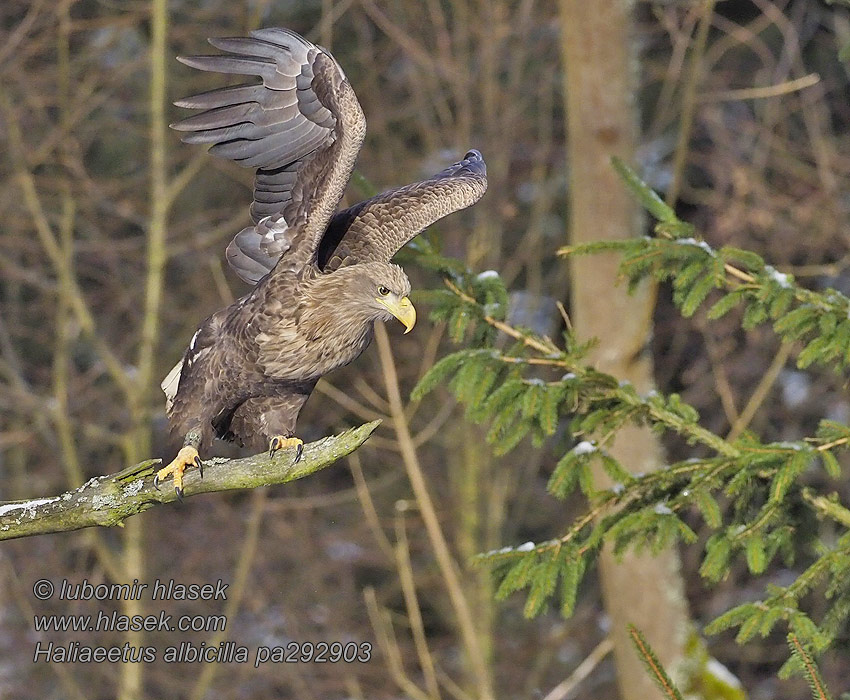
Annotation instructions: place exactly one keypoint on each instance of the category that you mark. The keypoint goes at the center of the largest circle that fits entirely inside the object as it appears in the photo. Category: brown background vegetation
(91, 181)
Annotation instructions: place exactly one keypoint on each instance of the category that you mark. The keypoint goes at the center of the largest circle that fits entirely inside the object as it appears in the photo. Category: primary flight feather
(321, 278)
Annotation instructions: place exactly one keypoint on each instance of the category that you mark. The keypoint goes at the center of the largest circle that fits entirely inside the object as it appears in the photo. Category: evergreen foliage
(653, 665)
(747, 491)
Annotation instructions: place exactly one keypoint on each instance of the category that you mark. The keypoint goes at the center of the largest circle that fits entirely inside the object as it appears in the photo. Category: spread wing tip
(473, 161)
(472, 165)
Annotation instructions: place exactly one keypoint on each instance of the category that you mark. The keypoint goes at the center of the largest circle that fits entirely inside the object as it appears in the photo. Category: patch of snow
(780, 278)
(569, 376)
(344, 551)
(788, 445)
(719, 671)
(28, 506)
(526, 547)
(699, 244)
(584, 448)
(796, 387)
(662, 509)
(487, 275)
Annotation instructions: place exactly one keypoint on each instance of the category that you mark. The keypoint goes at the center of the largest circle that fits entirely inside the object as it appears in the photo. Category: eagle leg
(277, 442)
(187, 457)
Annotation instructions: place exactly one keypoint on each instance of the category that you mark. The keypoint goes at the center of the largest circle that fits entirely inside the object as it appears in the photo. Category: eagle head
(382, 289)
(350, 299)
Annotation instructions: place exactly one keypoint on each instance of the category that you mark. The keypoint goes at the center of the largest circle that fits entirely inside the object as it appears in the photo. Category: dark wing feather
(301, 128)
(378, 228)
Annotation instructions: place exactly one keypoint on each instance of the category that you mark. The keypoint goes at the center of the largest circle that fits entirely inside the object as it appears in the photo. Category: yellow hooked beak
(402, 309)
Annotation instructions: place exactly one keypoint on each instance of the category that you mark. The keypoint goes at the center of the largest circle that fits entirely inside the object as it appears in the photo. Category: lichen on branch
(111, 499)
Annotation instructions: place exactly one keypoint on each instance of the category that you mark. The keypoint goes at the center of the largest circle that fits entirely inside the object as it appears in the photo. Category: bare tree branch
(111, 499)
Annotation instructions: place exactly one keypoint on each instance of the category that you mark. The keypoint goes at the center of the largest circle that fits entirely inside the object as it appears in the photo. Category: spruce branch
(748, 491)
(653, 665)
(809, 668)
(820, 320)
(111, 499)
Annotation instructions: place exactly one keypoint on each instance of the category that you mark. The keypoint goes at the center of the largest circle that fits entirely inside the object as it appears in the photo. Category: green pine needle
(808, 667)
(653, 665)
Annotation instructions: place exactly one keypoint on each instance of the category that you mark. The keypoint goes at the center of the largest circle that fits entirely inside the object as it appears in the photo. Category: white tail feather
(170, 383)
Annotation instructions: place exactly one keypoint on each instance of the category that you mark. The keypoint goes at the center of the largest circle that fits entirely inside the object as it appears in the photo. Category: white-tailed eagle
(322, 278)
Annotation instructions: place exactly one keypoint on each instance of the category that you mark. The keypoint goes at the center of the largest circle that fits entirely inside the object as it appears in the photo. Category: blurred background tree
(112, 251)
(600, 102)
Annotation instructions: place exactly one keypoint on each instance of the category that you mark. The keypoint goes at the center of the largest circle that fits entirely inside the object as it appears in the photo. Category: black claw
(274, 446)
(179, 493)
(298, 453)
(156, 481)
(200, 465)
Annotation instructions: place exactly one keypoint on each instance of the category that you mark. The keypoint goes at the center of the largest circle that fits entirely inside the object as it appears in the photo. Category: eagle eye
(383, 291)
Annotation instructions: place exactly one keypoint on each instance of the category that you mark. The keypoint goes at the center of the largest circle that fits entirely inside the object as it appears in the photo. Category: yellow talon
(187, 457)
(278, 441)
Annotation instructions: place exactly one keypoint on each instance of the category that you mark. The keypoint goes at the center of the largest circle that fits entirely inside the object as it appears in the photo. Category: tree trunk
(602, 122)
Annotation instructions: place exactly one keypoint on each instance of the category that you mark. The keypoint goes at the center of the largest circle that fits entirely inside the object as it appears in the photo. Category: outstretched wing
(302, 128)
(377, 228)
